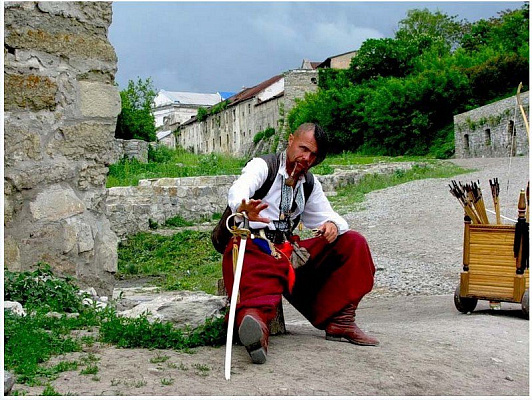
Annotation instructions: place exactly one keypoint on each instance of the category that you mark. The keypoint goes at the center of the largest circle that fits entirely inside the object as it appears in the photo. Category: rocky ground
(427, 346)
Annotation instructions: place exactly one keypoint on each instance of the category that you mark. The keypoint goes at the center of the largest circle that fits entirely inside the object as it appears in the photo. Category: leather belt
(277, 237)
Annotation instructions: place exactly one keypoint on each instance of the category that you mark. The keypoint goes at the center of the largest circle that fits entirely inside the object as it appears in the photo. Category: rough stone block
(31, 92)
(55, 203)
(99, 100)
(11, 254)
(87, 140)
(62, 43)
(20, 144)
(98, 14)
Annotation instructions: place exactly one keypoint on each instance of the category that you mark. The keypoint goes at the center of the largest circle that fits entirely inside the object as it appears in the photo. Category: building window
(234, 115)
(466, 143)
(227, 138)
(487, 137)
(249, 108)
(220, 140)
(212, 145)
(314, 81)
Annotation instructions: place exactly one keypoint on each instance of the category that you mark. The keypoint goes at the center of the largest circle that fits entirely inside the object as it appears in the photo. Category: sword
(243, 233)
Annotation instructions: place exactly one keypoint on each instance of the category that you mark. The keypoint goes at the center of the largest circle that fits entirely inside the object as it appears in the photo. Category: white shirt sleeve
(318, 210)
(254, 174)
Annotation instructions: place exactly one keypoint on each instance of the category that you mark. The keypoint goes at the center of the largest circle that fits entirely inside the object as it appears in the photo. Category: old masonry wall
(60, 105)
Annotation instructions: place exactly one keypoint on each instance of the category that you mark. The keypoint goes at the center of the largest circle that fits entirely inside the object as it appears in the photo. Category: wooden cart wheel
(464, 304)
(524, 303)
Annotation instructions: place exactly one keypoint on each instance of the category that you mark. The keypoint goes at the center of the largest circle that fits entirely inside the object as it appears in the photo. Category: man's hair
(319, 135)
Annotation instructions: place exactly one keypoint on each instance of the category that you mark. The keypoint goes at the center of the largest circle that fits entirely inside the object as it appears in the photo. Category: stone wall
(131, 208)
(60, 107)
(133, 148)
(495, 130)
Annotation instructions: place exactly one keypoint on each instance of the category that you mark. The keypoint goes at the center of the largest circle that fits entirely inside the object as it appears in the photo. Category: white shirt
(314, 213)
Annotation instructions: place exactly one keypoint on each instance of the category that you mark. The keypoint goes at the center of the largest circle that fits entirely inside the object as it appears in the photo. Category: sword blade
(232, 307)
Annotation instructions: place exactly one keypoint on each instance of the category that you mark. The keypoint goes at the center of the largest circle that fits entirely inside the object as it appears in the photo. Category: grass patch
(348, 196)
(139, 332)
(180, 222)
(168, 163)
(32, 340)
(183, 261)
(173, 164)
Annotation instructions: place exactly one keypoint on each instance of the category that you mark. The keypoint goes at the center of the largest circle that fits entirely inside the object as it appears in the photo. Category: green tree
(387, 57)
(420, 23)
(136, 120)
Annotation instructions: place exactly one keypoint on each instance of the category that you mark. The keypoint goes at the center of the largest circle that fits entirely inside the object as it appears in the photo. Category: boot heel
(334, 338)
(258, 356)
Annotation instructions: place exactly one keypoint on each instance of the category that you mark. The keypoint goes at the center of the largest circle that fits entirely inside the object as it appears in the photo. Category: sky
(209, 47)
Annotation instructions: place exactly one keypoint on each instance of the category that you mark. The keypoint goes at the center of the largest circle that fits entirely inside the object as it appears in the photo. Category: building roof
(327, 62)
(249, 93)
(165, 98)
(163, 134)
(307, 64)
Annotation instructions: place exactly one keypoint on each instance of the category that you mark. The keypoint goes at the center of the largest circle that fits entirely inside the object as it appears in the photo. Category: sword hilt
(234, 229)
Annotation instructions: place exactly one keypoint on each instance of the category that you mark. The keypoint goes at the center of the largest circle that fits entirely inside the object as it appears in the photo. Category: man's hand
(253, 209)
(329, 231)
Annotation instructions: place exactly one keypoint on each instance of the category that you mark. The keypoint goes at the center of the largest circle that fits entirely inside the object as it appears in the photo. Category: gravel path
(415, 230)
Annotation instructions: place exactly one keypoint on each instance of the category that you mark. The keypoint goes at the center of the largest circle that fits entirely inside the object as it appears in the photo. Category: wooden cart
(490, 270)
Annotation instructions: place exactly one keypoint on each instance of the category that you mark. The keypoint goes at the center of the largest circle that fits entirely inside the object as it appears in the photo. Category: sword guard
(234, 229)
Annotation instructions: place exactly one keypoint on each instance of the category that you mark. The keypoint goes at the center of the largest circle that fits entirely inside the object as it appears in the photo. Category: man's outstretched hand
(253, 209)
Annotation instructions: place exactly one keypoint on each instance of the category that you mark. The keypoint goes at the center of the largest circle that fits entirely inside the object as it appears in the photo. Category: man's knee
(352, 238)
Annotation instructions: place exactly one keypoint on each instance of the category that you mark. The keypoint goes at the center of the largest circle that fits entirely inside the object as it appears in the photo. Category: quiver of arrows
(470, 197)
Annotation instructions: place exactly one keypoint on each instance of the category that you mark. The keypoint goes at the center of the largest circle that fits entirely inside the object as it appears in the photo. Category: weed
(115, 382)
(167, 381)
(201, 369)
(88, 340)
(140, 332)
(141, 383)
(183, 367)
(50, 391)
(40, 289)
(95, 378)
(172, 365)
(159, 358)
(89, 359)
(90, 370)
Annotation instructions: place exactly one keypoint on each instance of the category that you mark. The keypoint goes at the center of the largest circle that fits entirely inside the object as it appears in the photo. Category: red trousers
(338, 274)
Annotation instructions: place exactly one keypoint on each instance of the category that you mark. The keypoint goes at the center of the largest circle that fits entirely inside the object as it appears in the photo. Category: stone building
(60, 111)
(249, 112)
(178, 107)
(494, 130)
(339, 61)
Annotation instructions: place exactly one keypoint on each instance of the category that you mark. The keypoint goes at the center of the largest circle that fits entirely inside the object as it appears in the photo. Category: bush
(160, 154)
(41, 289)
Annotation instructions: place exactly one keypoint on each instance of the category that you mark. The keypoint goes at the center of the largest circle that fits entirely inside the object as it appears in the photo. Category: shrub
(35, 289)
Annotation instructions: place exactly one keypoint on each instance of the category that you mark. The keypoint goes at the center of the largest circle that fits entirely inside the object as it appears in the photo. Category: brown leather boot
(342, 326)
(253, 332)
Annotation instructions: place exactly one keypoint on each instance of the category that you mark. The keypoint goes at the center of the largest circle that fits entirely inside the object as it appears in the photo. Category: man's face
(301, 152)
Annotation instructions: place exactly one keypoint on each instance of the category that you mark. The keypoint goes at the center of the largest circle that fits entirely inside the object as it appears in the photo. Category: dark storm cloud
(222, 46)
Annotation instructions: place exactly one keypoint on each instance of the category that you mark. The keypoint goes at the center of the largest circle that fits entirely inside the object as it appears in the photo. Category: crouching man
(277, 192)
